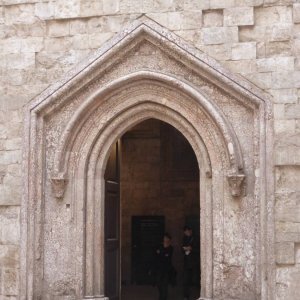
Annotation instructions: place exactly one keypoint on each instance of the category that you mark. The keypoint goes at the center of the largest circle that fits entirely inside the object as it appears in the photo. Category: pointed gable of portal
(141, 31)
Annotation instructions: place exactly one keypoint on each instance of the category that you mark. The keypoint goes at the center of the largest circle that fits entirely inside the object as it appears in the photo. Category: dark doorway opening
(158, 184)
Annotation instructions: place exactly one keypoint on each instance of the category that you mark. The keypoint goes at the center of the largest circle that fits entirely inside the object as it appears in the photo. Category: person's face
(188, 232)
(167, 241)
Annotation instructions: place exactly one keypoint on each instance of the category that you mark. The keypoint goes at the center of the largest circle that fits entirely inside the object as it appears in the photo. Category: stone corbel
(236, 184)
(59, 183)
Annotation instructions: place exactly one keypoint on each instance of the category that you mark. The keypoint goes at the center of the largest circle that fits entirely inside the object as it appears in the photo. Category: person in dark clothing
(188, 264)
(164, 255)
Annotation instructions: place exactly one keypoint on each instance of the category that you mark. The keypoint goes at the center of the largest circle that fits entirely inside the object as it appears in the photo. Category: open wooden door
(112, 224)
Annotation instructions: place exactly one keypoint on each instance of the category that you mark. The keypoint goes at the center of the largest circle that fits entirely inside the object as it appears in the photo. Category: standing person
(188, 264)
(164, 266)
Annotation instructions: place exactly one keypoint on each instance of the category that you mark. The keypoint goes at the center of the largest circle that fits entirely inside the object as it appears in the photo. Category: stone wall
(154, 182)
(259, 39)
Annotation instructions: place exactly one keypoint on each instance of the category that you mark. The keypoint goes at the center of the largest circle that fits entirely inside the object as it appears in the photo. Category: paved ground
(135, 292)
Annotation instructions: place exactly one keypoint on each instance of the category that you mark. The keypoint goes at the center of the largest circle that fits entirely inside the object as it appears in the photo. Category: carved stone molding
(59, 183)
(236, 184)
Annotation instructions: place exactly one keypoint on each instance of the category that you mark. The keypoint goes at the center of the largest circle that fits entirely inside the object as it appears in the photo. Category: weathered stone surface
(276, 49)
(275, 64)
(68, 9)
(242, 51)
(238, 16)
(10, 281)
(285, 253)
(221, 4)
(58, 29)
(219, 35)
(292, 111)
(9, 256)
(279, 32)
(213, 18)
(19, 14)
(10, 225)
(44, 10)
(252, 34)
(296, 12)
(273, 15)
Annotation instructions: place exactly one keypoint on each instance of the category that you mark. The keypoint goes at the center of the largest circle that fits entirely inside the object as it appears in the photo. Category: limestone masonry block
(296, 12)
(91, 8)
(22, 60)
(10, 228)
(78, 27)
(9, 256)
(249, 2)
(292, 111)
(283, 79)
(212, 18)
(58, 28)
(285, 253)
(284, 95)
(221, 52)
(10, 281)
(219, 35)
(97, 39)
(57, 44)
(80, 41)
(32, 44)
(288, 237)
(275, 49)
(44, 10)
(242, 51)
(67, 8)
(279, 32)
(275, 64)
(272, 15)
(195, 4)
(263, 80)
(287, 227)
(221, 3)
(111, 6)
(238, 16)
(288, 213)
(11, 45)
(242, 66)
(19, 14)
(179, 20)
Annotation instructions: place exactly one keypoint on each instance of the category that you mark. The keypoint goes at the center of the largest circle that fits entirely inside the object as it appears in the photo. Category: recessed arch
(233, 147)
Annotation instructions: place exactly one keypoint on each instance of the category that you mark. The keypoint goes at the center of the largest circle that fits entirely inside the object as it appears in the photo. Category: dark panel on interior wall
(147, 233)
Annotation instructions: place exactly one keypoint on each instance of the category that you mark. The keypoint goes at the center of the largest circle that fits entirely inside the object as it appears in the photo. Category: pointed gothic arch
(71, 126)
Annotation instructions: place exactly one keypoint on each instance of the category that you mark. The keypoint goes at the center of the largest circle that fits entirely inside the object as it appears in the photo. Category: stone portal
(146, 73)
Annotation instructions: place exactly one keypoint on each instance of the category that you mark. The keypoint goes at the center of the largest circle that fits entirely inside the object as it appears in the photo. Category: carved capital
(59, 183)
(236, 183)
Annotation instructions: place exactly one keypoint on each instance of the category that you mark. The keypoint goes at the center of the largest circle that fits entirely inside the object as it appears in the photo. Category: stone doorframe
(104, 114)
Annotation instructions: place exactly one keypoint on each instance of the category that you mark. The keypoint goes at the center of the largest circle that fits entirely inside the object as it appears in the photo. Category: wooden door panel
(112, 225)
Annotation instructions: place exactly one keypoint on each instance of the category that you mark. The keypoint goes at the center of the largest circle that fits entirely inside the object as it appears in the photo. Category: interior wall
(159, 176)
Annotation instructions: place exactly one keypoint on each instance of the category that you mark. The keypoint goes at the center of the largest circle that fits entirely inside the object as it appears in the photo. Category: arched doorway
(146, 72)
(155, 172)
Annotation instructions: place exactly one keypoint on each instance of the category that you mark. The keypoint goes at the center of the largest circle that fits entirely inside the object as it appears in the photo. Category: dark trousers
(162, 284)
(187, 281)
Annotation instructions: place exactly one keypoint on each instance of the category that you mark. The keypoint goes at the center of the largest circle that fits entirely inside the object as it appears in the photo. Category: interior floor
(138, 292)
